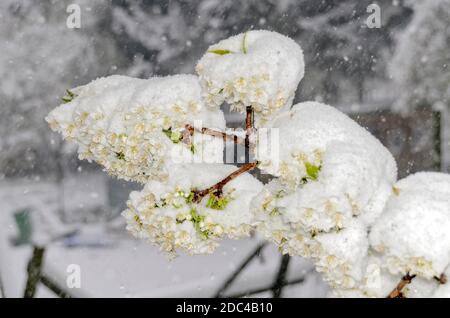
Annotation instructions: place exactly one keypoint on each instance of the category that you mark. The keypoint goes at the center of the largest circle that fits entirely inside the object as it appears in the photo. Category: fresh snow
(119, 122)
(334, 182)
(165, 214)
(258, 68)
(413, 232)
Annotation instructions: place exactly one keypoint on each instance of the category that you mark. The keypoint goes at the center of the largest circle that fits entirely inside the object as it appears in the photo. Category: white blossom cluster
(329, 190)
(166, 213)
(413, 232)
(133, 127)
(338, 186)
(335, 196)
(261, 69)
(412, 235)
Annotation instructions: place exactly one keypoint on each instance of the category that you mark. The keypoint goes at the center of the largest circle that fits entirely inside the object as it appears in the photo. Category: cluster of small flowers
(412, 235)
(326, 210)
(171, 221)
(133, 127)
(329, 191)
(338, 252)
(261, 69)
(167, 213)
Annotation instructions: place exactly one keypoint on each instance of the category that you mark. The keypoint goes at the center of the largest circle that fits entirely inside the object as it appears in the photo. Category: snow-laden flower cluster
(133, 127)
(329, 191)
(339, 253)
(413, 234)
(167, 214)
(261, 69)
(327, 160)
(410, 237)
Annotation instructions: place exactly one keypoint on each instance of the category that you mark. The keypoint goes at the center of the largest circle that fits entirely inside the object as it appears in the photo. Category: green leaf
(192, 148)
(69, 97)
(190, 197)
(174, 136)
(196, 219)
(244, 44)
(217, 203)
(220, 51)
(312, 170)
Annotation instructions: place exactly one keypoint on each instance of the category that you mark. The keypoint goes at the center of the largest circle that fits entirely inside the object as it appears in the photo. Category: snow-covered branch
(397, 292)
(334, 198)
(217, 188)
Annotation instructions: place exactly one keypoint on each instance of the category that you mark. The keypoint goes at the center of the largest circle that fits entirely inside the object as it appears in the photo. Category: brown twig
(397, 292)
(211, 132)
(442, 279)
(217, 188)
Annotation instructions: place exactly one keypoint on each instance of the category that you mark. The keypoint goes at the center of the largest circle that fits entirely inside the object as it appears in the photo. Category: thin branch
(34, 270)
(442, 279)
(54, 287)
(220, 293)
(397, 292)
(280, 279)
(217, 188)
(211, 132)
(252, 292)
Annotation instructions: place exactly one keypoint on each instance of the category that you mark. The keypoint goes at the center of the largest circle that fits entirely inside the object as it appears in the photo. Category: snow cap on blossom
(133, 127)
(342, 257)
(338, 168)
(339, 253)
(261, 69)
(413, 233)
(380, 282)
(269, 208)
(167, 215)
(273, 208)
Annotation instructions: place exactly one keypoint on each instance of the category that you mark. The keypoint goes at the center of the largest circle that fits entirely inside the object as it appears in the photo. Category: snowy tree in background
(341, 48)
(420, 64)
(34, 74)
(334, 198)
(421, 61)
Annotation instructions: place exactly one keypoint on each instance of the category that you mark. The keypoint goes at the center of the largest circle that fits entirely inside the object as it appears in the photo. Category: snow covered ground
(115, 265)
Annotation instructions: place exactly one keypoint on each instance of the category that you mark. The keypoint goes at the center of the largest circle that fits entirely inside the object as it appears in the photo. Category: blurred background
(57, 211)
